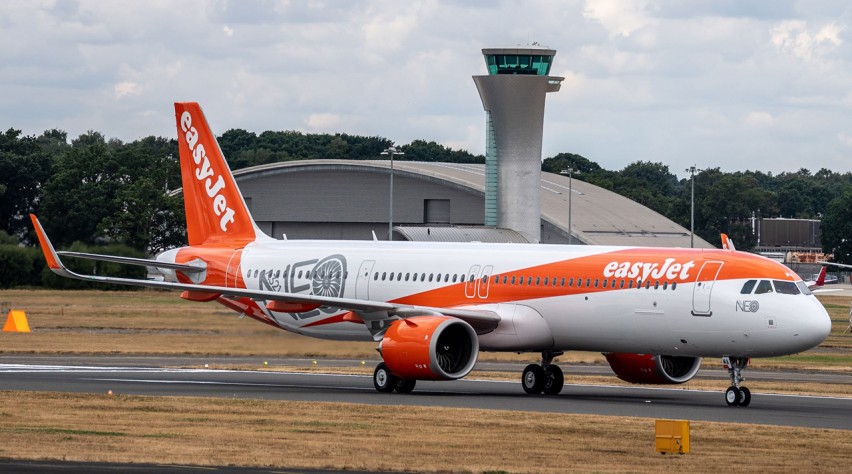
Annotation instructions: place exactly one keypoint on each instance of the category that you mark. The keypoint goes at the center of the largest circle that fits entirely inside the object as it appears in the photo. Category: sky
(739, 85)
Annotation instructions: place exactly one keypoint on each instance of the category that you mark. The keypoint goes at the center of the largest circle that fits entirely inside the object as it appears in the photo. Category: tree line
(93, 192)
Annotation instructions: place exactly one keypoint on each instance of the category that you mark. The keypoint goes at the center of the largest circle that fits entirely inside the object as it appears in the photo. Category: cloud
(323, 123)
(759, 119)
(619, 17)
(228, 30)
(797, 39)
(126, 88)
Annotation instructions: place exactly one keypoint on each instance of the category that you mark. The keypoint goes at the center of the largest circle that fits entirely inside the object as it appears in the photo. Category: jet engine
(430, 348)
(653, 369)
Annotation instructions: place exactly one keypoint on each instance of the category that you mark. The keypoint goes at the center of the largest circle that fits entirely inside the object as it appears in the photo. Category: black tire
(533, 379)
(383, 379)
(732, 396)
(554, 380)
(405, 385)
(745, 396)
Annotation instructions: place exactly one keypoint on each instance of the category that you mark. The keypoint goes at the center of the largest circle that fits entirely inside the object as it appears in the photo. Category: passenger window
(298, 276)
(455, 277)
(384, 274)
(588, 282)
(537, 281)
(604, 283)
(656, 285)
(630, 284)
(399, 276)
(749, 285)
(563, 282)
(579, 282)
(391, 276)
(529, 280)
(446, 277)
(545, 281)
(422, 277)
(596, 282)
(376, 276)
(505, 279)
(786, 287)
(621, 285)
(665, 285)
(647, 284)
(571, 281)
(430, 276)
(763, 287)
(674, 285)
(521, 280)
(513, 280)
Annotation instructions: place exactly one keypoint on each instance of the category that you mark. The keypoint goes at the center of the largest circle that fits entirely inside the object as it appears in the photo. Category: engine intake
(430, 348)
(653, 369)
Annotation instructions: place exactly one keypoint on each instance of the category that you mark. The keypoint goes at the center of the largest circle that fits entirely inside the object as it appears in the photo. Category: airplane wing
(481, 321)
(134, 261)
(727, 243)
(841, 265)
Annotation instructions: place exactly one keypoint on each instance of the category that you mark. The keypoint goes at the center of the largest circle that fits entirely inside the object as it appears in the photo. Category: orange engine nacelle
(430, 348)
(650, 368)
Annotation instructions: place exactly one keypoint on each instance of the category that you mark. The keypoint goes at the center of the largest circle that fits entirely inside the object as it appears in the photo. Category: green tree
(837, 228)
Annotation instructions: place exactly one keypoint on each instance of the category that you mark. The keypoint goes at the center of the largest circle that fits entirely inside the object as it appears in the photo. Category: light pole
(692, 170)
(391, 150)
(570, 172)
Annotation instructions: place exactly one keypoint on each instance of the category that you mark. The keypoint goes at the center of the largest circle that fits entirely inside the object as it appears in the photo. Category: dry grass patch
(201, 431)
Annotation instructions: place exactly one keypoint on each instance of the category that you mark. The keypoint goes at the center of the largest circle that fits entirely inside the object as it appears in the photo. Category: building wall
(349, 204)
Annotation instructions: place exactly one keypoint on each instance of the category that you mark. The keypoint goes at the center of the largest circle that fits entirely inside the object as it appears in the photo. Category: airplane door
(702, 290)
(362, 285)
(471, 282)
(485, 281)
(232, 276)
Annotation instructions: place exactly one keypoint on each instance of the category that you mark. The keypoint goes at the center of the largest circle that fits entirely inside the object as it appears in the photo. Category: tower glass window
(533, 64)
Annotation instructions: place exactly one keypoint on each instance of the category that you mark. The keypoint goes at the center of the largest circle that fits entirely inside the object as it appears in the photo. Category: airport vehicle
(654, 312)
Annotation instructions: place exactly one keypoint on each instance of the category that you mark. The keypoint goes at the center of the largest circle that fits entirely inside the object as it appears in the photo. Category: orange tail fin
(215, 210)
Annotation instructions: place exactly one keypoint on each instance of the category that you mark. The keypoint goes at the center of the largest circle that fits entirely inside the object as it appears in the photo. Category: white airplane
(654, 312)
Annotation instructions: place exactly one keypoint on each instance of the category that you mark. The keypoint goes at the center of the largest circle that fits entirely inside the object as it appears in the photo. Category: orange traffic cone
(16, 321)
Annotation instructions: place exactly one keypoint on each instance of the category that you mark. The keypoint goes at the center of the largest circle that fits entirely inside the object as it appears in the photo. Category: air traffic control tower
(513, 96)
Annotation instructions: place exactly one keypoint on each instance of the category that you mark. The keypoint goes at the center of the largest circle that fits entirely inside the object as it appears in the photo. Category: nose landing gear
(736, 395)
(545, 378)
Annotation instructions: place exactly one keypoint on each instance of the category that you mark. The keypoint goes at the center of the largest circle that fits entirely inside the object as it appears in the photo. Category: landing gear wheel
(745, 396)
(732, 396)
(553, 380)
(383, 379)
(533, 379)
(405, 385)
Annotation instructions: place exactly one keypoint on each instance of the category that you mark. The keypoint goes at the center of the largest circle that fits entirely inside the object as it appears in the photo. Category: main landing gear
(736, 395)
(545, 378)
(386, 382)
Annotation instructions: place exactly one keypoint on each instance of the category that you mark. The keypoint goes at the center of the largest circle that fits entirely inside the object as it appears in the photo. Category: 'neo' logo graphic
(748, 306)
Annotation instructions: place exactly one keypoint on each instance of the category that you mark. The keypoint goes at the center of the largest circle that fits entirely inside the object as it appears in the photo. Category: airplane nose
(816, 328)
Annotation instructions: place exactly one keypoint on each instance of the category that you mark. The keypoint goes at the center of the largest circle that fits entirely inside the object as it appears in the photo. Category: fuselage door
(703, 288)
(485, 281)
(362, 285)
(471, 281)
(232, 276)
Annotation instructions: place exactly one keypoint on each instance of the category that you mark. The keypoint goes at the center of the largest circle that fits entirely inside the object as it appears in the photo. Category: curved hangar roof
(349, 199)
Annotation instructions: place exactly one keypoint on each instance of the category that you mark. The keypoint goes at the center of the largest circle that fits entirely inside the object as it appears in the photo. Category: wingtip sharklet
(47, 249)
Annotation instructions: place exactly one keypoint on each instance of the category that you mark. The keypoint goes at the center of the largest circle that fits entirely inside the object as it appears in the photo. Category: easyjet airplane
(432, 307)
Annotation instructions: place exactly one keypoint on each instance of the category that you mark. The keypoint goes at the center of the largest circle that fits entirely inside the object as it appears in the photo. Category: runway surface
(151, 376)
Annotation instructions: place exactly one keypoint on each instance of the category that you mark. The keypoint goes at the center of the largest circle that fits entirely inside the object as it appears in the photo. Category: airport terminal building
(346, 199)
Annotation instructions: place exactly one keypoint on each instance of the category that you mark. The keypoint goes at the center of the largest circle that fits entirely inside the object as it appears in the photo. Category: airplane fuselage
(685, 302)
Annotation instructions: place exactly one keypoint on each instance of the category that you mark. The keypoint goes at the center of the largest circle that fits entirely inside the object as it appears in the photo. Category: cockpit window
(764, 286)
(786, 287)
(749, 285)
(804, 288)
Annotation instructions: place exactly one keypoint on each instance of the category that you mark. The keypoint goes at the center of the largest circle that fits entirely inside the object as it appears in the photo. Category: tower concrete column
(513, 96)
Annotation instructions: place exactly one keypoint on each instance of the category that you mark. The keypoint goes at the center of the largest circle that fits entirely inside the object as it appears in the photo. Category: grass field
(342, 436)
(184, 430)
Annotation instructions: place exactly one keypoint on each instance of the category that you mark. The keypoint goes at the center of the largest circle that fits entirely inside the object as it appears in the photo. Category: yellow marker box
(672, 436)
